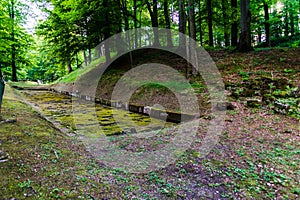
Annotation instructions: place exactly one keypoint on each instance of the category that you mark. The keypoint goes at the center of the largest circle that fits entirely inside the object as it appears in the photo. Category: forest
(150, 99)
(64, 39)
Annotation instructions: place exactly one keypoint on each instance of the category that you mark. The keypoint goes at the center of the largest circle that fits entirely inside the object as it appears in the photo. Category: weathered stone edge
(170, 116)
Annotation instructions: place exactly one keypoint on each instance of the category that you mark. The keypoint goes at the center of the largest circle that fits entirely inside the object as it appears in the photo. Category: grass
(43, 163)
(69, 78)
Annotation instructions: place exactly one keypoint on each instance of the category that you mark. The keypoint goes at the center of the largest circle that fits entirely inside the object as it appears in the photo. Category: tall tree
(60, 33)
(192, 23)
(210, 22)
(200, 24)
(226, 22)
(168, 23)
(2, 86)
(234, 24)
(13, 45)
(245, 35)
(5, 29)
(14, 40)
(107, 30)
(154, 20)
(286, 18)
(182, 23)
(135, 23)
(267, 23)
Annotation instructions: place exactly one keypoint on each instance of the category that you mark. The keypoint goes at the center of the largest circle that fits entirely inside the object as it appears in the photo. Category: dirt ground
(257, 155)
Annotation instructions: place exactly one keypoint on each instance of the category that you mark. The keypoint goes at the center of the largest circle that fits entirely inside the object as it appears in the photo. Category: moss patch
(110, 121)
(42, 163)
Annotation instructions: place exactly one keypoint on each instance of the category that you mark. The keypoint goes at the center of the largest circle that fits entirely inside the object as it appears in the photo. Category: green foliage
(244, 75)
(293, 106)
(24, 184)
(285, 41)
(45, 66)
(71, 77)
(76, 26)
(15, 42)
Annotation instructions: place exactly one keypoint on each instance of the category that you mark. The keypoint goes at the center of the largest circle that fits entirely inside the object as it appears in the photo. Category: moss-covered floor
(59, 108)
(42, 162)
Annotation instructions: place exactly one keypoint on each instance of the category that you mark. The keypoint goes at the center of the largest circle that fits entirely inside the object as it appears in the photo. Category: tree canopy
(74, 28)
(15, 41)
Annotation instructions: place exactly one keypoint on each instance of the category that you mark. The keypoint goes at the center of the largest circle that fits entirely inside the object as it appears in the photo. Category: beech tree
(225, 8)
(168, 23)
(76, 26)
(245, 35)
(182, 22)
(154, 19)
(15, 41)
(192, 23)
(210, 22)
(234, 24)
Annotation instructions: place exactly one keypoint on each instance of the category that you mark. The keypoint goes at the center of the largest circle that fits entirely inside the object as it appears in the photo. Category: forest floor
(37, 161)
(257, 155)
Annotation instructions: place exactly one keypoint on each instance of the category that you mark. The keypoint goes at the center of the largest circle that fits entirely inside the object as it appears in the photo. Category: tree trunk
(99, 51)
(90, 55)
(155, 23)
(226, 22)
(125, 14)
(106, 31)
(118, 43)
(13, 48)
(107, 52)
(210, 23)
(135, 24)
(85, 58)
(168, 23)
(77, 61)
(200, 25)
(286, 20)
(192, 24)
(200, 31)
(234, 25)
(192, 27)
(13, 63)
(2, 87)
(267, 24)
(154, 20)
(245, 36)
(126, 20)
(259, 36)
(182, 23)
(69, 67)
